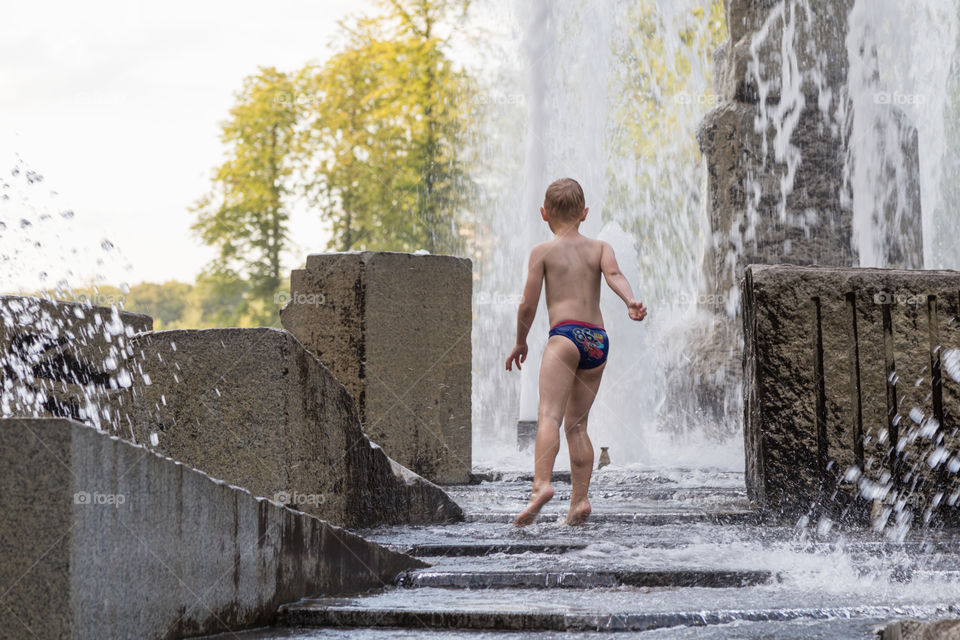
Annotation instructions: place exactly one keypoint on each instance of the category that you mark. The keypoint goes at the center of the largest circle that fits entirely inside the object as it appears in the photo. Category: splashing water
(62, 359)
(603, 108)
(614, 93)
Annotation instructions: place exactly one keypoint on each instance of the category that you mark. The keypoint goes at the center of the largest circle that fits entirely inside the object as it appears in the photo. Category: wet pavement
(666, 554)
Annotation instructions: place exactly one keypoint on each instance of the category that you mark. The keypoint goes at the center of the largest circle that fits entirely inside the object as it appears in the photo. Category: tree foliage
(369, 139)
(247, 212)
(384, 131)
(665, 80)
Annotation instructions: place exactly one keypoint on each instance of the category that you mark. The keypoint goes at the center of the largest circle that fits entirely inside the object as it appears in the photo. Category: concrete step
(745, 516)
(799, 629)
(582, 579)
(339, 613)
(472, 550)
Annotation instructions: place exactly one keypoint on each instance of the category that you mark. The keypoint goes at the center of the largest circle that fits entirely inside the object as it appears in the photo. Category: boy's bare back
(571, 266)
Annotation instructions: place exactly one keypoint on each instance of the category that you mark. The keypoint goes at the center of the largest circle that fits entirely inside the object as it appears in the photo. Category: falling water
(614, 92)
(606, 105)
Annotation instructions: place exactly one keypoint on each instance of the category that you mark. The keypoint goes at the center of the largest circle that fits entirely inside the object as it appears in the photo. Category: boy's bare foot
(537, 500)
(578, 514)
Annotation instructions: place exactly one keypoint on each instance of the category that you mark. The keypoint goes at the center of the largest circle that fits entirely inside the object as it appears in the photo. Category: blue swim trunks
(591, 340)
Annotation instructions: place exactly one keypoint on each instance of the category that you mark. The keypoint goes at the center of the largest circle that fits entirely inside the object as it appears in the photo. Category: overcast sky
(117, 104)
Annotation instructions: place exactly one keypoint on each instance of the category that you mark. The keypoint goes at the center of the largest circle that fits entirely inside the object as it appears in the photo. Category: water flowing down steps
(666, 554)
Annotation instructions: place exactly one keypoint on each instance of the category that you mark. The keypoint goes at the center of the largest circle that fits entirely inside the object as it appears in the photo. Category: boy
(576, 351)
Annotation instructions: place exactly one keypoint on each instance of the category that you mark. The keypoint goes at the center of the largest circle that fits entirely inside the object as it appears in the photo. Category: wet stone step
(328, 613)
(463, 550)
(652, 518)
(584, 579)
(799, 629)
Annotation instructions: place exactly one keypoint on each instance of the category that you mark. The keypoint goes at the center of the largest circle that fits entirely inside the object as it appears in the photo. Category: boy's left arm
(619, 283)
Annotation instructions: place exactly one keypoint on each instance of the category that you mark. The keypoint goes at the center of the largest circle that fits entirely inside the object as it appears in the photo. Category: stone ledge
(254, 407)
(846, 393)
(102, 538)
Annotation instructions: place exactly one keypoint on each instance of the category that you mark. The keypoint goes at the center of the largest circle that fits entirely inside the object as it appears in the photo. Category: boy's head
(564, 202)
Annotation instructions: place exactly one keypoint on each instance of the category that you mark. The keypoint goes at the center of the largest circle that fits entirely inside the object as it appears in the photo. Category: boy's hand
(518, 355)
(636, 310)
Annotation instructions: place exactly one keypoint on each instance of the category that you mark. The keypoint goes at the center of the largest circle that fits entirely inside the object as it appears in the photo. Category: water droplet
(24, 223)
(154, 439)
(66, 215)
(124, 379)
(951, 362)
(106, 245)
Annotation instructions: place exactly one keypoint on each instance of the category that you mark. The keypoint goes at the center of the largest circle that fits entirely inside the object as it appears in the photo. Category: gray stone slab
(843, 390)
(677, 577)
(395, 329)
(254, 407)
(462, 549)
(330, 614)
(726, 517)
(67, 359)
(947, 629)
(105, 539)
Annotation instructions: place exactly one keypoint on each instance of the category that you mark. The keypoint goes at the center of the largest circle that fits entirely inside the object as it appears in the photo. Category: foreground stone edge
(104, 538)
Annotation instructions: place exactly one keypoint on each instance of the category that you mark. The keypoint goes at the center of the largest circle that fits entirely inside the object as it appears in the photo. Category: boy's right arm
(619, 283)
(528, 307)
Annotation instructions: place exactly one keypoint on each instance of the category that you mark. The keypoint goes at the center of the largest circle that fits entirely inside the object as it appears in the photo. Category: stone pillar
(395, 329)
(777, 146)
(776, 154)
(852, 392)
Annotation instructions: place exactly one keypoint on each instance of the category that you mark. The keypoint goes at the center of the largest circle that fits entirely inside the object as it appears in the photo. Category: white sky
(118, 104)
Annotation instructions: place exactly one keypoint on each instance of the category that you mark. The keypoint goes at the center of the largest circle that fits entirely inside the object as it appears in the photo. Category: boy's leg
(582, 395)
(558, 369)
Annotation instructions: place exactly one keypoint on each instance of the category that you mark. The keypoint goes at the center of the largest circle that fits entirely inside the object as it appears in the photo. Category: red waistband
(577, 322)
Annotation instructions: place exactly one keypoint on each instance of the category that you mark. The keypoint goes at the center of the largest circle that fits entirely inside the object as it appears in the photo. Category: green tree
(384, 132)
(166, 303)
(246, 214)
(665, 82)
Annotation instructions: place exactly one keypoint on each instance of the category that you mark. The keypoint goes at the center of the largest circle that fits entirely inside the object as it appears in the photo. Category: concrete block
(752, 222)
(813, 58)
(850, 405)
(945, 629)
(105, 539)
(255, 408)
(67, 359)
(395, 329)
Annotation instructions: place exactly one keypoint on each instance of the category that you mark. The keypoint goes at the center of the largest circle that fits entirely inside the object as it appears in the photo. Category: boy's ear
(583, 215)
(543, 214)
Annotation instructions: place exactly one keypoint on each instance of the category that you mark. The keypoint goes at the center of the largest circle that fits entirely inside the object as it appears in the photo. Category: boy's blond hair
(564, 199)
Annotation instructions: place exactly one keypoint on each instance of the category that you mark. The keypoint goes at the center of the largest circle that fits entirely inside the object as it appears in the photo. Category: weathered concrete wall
(395, 329)
(777, 159)
(947, 629)
(66, 359)
(851, 391)
(255, 408)
(104, 539)
(763, 208)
